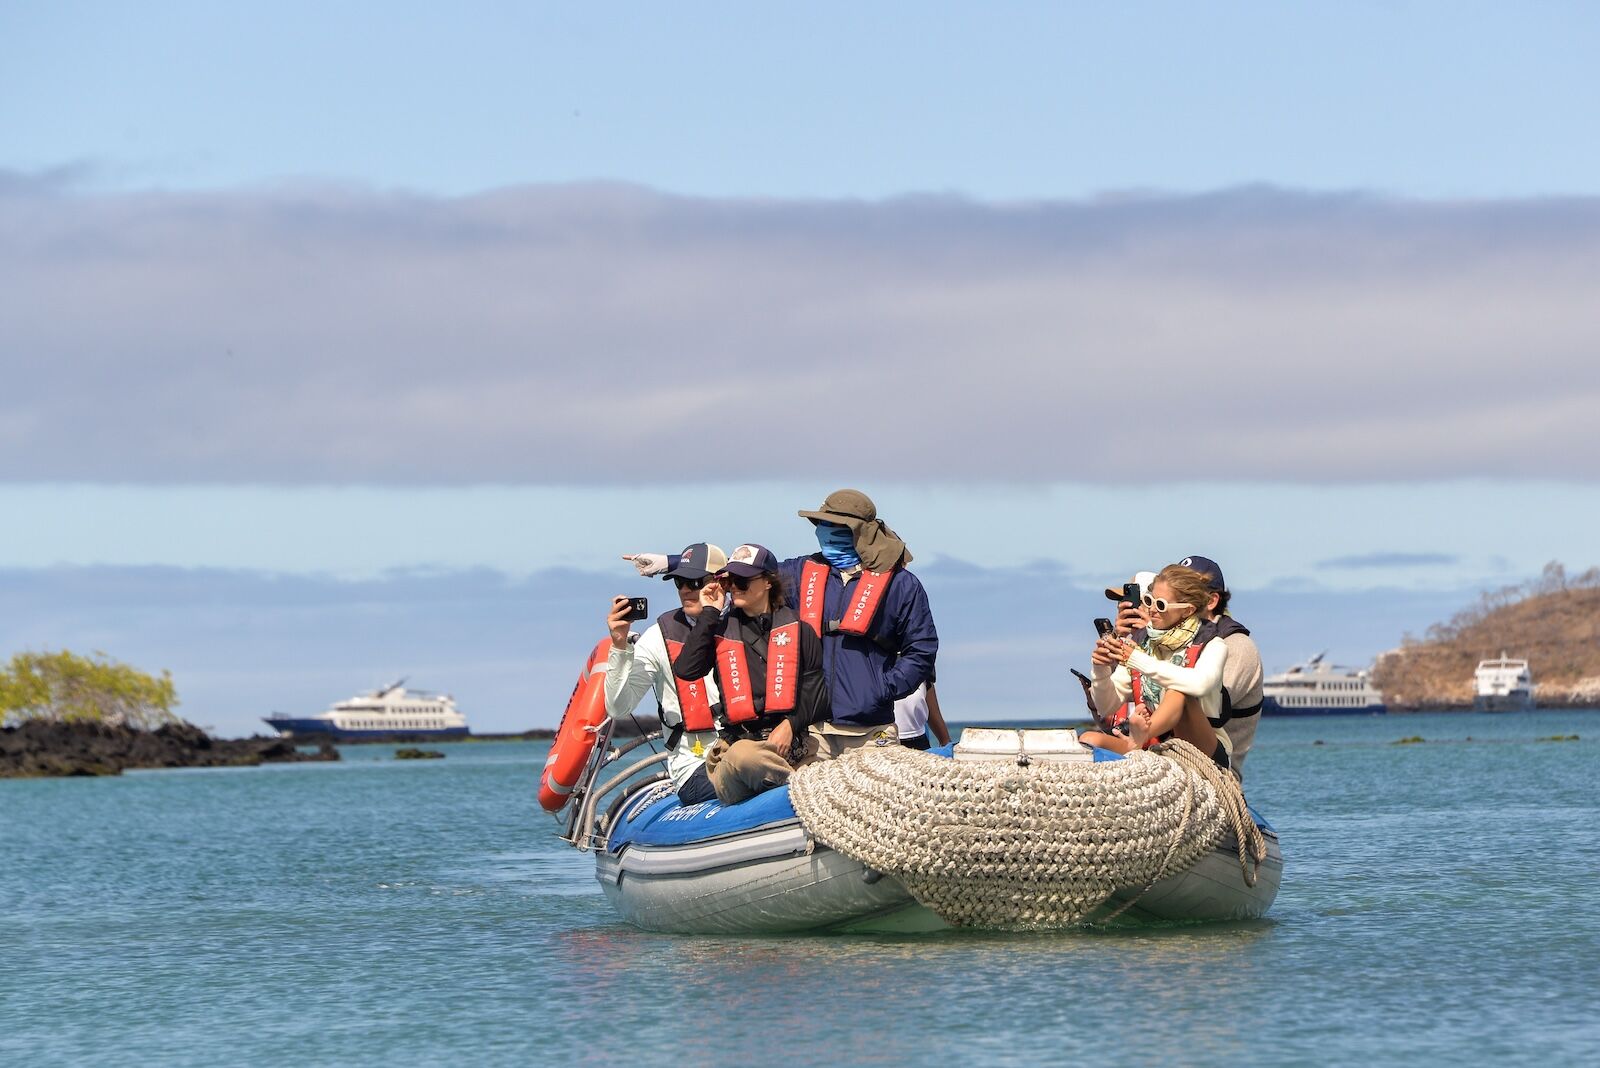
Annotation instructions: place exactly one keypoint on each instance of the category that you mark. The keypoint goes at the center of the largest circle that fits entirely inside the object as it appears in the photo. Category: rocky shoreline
(41, 749)
(631, 727)
(1545, 699)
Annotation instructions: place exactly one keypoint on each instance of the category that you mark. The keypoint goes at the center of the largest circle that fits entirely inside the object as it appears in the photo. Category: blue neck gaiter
(838, 545)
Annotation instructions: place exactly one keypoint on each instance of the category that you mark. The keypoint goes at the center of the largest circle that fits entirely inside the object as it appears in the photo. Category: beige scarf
(1172, 639)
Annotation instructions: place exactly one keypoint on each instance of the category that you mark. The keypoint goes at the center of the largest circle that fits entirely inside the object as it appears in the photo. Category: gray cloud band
(565, 334)
(1386, 560)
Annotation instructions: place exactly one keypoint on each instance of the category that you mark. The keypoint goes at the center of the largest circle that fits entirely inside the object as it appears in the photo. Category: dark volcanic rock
(418, 754)
(38, 749)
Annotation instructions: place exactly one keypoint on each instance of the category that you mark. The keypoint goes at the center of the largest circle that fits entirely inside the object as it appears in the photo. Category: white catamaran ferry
(1502, 685)
(1317, 688)
(391, 710)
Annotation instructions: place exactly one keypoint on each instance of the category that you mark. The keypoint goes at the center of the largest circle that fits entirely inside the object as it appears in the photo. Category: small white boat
(754, 868)
(1502, 685)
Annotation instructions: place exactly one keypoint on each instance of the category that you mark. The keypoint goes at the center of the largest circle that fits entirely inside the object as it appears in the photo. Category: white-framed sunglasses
(1161, 604)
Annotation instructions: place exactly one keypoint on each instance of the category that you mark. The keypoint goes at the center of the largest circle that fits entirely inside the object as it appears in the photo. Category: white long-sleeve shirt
(1113, 687)
(1243, 679)
(633, 671)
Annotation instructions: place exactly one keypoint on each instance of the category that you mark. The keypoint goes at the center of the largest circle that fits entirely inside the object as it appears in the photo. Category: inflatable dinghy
(1008, 829)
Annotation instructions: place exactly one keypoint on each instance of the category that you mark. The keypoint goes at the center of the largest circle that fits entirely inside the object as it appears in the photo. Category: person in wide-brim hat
(879, 547)
(1143, 578)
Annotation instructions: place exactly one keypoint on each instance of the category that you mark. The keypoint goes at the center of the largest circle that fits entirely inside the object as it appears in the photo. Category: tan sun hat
(879, 547)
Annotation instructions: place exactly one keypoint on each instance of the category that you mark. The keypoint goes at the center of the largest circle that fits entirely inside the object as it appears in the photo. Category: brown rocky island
(1553, 622)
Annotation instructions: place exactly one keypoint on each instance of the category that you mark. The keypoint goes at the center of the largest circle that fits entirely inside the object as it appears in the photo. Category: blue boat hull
(1270, 707)
(322, 730)
(1502, 703)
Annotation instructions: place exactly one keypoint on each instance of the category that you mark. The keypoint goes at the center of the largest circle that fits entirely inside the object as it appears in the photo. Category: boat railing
(609, 771)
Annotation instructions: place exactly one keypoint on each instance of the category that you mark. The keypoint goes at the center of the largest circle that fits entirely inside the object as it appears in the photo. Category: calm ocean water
(1439, 900)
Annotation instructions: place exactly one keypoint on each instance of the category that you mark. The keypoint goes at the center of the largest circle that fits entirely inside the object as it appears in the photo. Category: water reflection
(986, 996)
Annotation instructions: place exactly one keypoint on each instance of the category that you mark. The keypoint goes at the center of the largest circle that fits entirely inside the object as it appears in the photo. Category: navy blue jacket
(868, 673)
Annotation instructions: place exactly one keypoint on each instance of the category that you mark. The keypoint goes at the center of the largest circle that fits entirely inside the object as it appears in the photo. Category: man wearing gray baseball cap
(638, 664)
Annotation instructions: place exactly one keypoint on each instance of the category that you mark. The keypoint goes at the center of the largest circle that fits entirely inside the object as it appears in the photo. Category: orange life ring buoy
(569, 753)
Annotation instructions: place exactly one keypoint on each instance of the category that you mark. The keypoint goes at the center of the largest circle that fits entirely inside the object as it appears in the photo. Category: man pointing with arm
(879, 642)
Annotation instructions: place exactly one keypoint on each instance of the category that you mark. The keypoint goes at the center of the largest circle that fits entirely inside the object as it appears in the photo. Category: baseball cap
(751, 560)
(1207, 567)
(698, 561)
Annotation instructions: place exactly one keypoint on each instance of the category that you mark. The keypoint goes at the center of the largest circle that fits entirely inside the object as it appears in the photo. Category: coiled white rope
(1007, 846)
(1252, 845)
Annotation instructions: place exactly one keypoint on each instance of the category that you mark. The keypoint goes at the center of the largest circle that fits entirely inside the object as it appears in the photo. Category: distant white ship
(1317, 688)
(1502, 685)
(391, 710)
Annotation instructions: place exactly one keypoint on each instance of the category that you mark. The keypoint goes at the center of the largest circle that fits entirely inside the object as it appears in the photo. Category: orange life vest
(783, 670)
(692, 696)
(859, 610)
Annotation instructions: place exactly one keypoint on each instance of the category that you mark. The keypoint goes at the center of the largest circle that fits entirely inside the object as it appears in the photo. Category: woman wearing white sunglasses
(1124, 671)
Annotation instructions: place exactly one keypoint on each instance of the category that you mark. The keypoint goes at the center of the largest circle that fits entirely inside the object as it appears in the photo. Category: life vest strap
(733, 678)
(783, 667)
(693, 700)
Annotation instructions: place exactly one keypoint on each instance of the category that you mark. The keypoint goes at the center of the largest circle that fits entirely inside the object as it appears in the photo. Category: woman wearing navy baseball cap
(768, 664)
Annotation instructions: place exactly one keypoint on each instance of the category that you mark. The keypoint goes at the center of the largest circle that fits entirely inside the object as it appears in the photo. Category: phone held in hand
(1088, 699)
(1102, 627)
(1132, 593)
(638, 608)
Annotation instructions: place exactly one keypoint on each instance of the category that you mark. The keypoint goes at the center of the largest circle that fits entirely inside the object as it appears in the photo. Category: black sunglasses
(691, 584)
(742, 582)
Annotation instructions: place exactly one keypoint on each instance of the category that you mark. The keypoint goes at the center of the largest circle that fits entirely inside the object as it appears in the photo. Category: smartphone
(1131, 593)
(1088, 699)
(638, 608)
(1102, 627)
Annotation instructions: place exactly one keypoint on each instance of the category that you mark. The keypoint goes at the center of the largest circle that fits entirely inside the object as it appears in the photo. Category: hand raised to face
(617, 621)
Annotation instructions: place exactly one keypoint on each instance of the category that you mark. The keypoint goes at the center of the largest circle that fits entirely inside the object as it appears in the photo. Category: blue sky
(384, 301)
(1032, 100)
